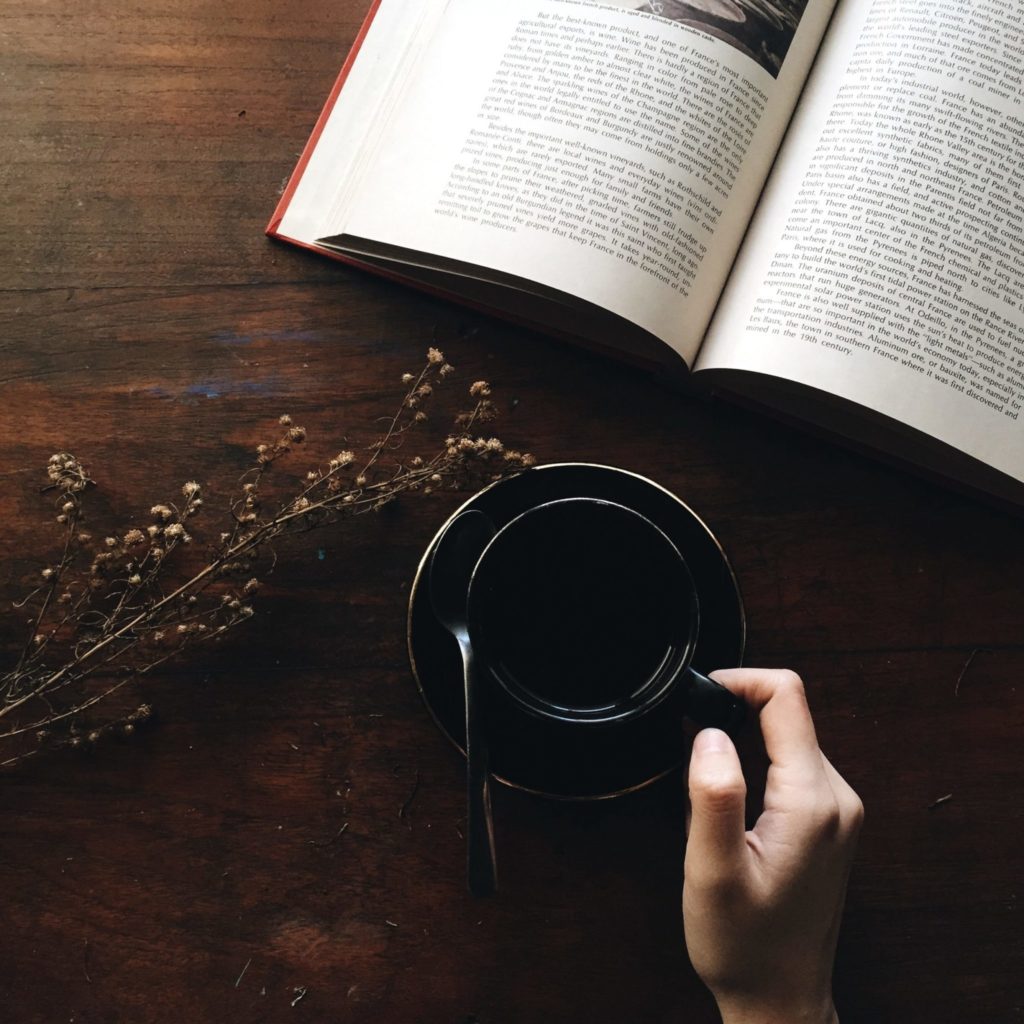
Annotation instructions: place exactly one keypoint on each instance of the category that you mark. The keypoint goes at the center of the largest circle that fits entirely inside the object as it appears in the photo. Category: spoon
(451, 566)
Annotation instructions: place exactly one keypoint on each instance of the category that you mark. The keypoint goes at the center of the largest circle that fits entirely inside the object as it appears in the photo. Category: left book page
(595, 153)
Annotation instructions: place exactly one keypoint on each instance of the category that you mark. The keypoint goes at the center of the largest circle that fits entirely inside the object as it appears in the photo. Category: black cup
(583, 612)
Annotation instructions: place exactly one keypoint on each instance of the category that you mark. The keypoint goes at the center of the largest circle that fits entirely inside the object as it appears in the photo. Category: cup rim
(661, 682)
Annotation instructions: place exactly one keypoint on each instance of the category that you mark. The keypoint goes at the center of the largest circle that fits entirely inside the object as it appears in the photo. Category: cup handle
(710, 704)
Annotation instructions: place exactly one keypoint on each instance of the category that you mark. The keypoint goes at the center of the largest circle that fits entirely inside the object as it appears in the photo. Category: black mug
(583, 612)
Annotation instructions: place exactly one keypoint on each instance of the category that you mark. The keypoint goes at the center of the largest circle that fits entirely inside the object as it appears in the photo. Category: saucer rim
(422, 567)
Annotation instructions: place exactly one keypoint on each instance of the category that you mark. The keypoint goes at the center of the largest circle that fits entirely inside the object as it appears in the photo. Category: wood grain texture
(197, 873)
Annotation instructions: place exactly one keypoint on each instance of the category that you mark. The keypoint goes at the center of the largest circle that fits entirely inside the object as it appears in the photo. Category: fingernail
(712, 741)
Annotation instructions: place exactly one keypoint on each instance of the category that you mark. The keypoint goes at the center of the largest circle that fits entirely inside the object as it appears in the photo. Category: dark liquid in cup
(583, 603)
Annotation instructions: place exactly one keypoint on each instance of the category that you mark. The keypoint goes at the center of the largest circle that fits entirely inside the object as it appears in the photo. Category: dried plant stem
(125, 612)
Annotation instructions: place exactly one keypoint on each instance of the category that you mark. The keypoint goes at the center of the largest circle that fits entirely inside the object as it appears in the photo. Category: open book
(814, 206)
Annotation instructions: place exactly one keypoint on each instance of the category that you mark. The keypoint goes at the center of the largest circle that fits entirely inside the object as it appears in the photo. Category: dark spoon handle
(481, 870)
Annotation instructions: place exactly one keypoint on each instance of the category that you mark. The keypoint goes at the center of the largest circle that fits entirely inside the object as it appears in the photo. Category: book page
(602, 150)
(886, 263)
(351, 132)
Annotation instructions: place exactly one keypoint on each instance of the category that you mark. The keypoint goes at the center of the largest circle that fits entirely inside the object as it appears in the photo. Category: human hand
(761, 909)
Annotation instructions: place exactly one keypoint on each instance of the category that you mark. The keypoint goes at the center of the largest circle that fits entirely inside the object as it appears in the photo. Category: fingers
(717, 794)
(778, 695)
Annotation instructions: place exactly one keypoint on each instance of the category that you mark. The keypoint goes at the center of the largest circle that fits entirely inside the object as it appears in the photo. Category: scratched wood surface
(197, 872)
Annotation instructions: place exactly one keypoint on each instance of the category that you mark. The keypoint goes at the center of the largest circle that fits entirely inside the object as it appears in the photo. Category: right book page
(885, 264)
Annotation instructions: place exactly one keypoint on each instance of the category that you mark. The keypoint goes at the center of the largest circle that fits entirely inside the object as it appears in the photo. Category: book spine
(314, 138)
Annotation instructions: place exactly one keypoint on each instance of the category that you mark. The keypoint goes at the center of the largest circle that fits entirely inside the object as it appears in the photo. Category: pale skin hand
(761, 909)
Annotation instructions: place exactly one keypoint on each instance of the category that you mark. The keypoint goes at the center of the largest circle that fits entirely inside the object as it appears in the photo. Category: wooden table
(197, 872)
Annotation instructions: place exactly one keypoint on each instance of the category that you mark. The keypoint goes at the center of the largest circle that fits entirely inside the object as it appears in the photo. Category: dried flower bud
(420, 417)
(84, 538)
(285, 420)
(251, 586)
(161, 512)
(407, 378)
(190, 489)
(447, 370)
(479, 389)
(297, 434)
(175, 530)
(62, 518)
(133, 537)
(360, 480)
(68, 506)
(66, 472)
(416, 462)
(344, 458)
(135, 579)
(300, 504)
(434, 356)
(111, 542)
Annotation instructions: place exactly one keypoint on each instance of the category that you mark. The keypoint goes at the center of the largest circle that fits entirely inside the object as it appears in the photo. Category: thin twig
(404, 809)
(238, 980)
(967, 665)
(328, 842)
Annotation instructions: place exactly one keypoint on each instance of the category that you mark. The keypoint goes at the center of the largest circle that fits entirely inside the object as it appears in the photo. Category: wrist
(767, 1011)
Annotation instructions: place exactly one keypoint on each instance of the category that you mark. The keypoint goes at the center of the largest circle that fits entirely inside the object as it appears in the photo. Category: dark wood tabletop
(284, 841)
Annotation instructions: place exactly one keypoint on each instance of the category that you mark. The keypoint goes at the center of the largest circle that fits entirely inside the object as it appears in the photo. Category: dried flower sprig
(107, 612)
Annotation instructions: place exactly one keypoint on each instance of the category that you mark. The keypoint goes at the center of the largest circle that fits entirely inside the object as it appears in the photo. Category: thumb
(717, 799)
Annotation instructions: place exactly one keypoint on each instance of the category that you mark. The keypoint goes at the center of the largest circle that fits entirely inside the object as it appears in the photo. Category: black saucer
(588, 762)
